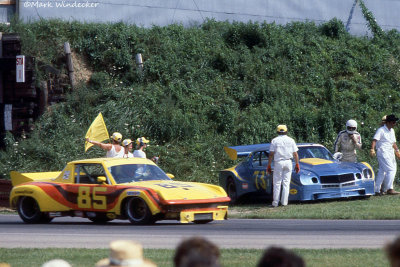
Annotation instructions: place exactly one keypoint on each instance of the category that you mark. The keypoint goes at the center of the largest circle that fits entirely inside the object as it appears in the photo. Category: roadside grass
(163, 257)
(373, 208)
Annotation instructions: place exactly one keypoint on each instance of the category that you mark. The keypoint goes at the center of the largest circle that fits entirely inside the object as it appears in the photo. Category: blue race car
(320, 176)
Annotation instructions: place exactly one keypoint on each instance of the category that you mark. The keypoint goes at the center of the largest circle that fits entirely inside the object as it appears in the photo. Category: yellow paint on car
(315, 161)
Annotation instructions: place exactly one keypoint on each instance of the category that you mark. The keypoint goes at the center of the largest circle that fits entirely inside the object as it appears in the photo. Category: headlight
(367, 173)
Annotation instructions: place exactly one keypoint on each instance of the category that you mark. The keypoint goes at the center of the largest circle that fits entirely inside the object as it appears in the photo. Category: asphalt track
(234, 233)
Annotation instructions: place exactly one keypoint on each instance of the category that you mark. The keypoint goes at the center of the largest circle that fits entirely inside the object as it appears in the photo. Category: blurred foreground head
(196, 252)
(280, 257)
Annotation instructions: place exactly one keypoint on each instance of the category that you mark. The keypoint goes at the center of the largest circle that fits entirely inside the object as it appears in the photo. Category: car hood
(328, 167)
(175, 190)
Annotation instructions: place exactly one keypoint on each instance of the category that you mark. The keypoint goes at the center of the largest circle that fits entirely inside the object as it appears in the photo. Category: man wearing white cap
(282, 150)
(386, 149)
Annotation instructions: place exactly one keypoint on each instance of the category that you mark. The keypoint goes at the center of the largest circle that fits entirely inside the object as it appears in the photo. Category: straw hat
(55, 263)
(125, 253)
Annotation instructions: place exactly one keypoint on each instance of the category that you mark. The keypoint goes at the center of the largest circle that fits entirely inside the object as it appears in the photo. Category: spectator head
(196, 252)
(281, 129)
(141, 141)
(393, 252)
(280, 257)
(125, 253)
(116, 138)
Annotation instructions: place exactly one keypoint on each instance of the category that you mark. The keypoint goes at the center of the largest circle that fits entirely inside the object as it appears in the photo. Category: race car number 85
(95, 201)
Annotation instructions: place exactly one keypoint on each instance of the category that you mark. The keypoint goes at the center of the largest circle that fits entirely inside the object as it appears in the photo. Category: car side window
(88, 173)
(264, 158)
(256, 160)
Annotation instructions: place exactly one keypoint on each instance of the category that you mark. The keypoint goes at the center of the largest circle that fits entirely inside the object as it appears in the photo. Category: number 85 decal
(86, 200)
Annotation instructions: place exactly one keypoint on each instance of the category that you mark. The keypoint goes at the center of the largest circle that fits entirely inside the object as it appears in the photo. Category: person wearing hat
(125, 253)
(384, 142)
(348, 142)
(383, 121)
(127, 144)
(114, 150)
(141, 144)
(282, 150)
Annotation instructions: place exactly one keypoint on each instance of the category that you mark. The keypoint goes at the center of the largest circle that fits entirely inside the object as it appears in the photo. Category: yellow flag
(97, 131)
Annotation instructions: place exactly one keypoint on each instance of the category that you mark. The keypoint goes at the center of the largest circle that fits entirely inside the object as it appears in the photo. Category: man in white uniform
(348, 141)
(282, 150)
(386, 147)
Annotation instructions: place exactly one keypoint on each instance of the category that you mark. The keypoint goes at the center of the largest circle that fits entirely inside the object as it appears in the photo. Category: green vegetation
(229, 257)
(206, 87)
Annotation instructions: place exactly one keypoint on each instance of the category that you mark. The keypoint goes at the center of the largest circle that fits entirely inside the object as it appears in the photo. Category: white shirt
(129, 155)
(139, 154)
(283, 147)
(112, 153)
(385, 138)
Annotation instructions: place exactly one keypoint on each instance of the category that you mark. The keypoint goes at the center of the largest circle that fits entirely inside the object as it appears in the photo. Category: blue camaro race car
(320, 177)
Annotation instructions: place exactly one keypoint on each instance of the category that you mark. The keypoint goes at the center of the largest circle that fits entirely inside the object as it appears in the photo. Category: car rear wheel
(138, 212)
(231, 190)
(29, 211)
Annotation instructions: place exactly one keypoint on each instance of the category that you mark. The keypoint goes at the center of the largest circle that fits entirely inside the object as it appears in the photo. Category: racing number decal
(84, 197)
(99, 201)
(260, 181)
(85, 200)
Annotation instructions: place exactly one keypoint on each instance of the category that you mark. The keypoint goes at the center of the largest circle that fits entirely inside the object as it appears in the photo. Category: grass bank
(205, 87)
(163, 257)
(373, 208)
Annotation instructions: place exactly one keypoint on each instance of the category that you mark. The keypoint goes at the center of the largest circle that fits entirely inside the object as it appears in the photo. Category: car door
(262, 180)
(86, 193)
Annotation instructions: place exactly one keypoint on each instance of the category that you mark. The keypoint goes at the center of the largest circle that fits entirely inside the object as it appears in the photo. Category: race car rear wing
(19, 178)
(235, 152)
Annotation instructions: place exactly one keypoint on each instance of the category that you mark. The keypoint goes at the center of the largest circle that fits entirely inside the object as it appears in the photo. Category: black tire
(138, 212)
(231, 190)
(29, 211)
(202, 221)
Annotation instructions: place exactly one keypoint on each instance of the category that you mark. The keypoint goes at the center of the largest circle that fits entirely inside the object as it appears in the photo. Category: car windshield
(314, 152)
(137, 172)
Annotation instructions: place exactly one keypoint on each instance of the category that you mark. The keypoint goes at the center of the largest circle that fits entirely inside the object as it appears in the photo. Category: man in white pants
(386, 148)
(282, 150)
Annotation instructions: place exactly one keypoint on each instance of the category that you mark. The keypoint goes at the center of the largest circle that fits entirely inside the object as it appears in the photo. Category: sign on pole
(8, 117)
(20, 69)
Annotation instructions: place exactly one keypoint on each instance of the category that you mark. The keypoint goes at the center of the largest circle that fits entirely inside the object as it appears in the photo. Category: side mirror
(170, 175)
(101, 180)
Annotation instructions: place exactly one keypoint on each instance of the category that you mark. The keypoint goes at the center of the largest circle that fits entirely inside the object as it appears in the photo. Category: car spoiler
(19, 178)
(235, 152)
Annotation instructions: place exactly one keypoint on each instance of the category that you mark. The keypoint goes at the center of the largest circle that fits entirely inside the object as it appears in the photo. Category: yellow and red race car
(104, 189)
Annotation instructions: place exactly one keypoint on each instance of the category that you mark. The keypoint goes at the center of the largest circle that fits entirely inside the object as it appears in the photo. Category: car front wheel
(138, 212)
(29, 211)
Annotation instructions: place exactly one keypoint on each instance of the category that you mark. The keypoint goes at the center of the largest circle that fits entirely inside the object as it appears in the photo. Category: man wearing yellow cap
(282, 150)
(114, 150)
(141, 144)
